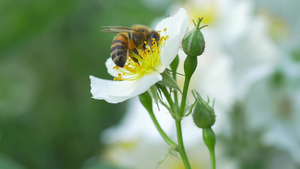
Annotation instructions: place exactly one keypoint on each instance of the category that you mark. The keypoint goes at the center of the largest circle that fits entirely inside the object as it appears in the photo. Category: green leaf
(169, 81)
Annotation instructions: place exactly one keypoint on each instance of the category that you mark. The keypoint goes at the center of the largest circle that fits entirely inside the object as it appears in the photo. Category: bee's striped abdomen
(119, 49)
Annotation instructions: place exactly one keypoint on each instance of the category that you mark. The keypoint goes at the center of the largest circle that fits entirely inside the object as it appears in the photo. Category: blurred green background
(48, 49)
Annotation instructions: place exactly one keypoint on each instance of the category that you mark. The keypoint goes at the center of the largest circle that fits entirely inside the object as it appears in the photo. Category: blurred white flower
(137, 144)
(238, 53)
(141, 154)
(137, 78)
(277, 110)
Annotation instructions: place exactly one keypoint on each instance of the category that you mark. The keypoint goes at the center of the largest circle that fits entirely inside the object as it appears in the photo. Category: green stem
(175, 92)
(161, 132)
(176, 99)
(184, 95)
(181, 146)
(190, 65)
(212, 159)
(209, 138)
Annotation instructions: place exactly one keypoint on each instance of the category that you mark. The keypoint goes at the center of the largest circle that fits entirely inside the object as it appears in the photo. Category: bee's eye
(155, 36)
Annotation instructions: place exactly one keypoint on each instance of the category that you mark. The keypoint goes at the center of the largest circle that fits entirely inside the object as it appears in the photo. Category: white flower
(138, 78)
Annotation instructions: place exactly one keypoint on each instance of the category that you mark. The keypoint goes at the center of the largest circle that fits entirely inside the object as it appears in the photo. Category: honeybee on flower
(143, 67)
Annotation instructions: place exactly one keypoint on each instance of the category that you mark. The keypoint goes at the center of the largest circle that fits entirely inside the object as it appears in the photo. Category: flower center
(145, 62)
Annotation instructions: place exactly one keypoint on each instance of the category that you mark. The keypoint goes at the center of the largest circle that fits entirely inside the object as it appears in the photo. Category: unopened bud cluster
(203, 114)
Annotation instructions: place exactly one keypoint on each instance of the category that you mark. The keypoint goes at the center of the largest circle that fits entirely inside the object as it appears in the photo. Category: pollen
(144, 62)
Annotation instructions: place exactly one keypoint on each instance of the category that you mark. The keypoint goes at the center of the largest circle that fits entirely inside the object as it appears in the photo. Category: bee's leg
(134, 59)
(131, 53)
(135, 51)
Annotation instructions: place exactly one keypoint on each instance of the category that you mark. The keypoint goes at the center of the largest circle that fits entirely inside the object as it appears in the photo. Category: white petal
(119, 91)
(175, 24)
(177, 27)
(109, 65)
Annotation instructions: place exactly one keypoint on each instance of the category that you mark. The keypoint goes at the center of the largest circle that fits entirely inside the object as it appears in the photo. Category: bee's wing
(117, 29)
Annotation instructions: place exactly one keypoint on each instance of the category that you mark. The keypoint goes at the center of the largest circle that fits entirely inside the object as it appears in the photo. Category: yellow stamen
(145, 62)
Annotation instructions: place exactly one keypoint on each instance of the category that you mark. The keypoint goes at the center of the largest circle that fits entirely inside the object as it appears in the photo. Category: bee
(129, 40)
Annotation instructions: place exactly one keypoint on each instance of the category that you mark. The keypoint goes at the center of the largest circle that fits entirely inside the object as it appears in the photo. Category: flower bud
(203, 114)
(193, 44)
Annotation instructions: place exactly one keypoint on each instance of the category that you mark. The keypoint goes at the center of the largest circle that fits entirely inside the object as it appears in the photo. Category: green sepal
(189, 109)
(154, 91)
(174, 64)
(146, 101)
(159, 89)
(168, 81)
(168, 107)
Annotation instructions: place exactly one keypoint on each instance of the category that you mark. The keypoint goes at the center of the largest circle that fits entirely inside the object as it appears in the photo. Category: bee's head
(153, 36)
(140, 36)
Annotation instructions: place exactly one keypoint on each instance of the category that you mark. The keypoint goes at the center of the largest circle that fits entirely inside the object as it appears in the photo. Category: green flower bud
(203, 114)
(193, 44)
